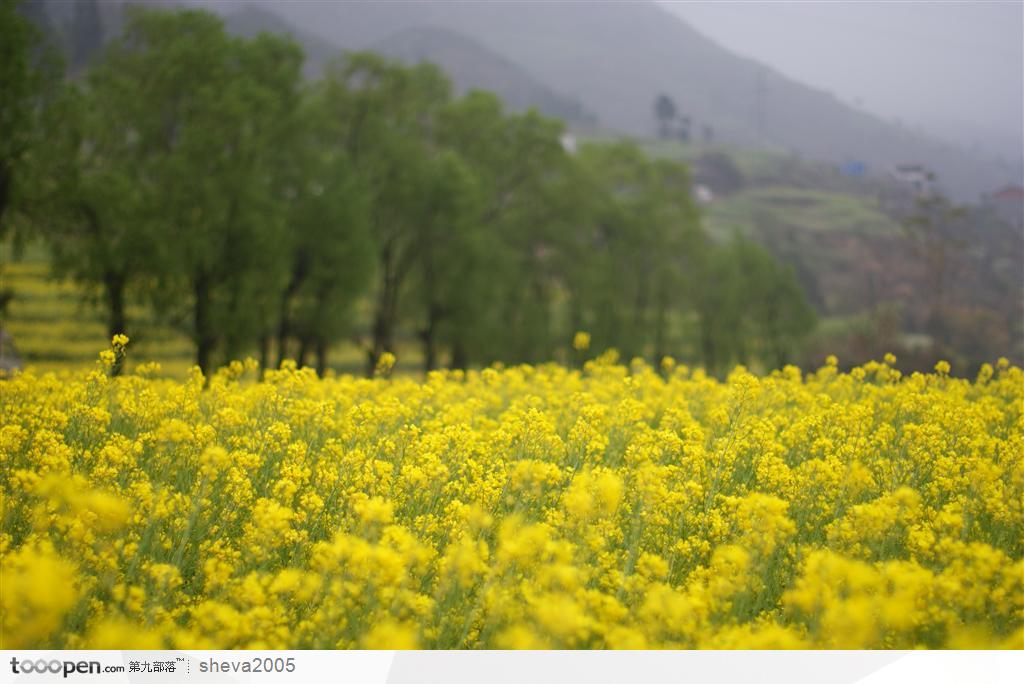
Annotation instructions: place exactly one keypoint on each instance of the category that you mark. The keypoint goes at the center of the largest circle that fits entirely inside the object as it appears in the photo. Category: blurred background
(463, 183)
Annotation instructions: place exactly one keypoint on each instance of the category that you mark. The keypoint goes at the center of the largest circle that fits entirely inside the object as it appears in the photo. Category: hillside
(251, 20)
(603, 61)
(470, 65)
(857, 263)
(616, 57)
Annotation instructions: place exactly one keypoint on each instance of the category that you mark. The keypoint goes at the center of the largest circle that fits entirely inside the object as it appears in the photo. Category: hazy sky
(955, 69)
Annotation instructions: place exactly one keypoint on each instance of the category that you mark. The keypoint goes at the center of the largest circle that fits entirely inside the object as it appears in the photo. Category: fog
(952, 69)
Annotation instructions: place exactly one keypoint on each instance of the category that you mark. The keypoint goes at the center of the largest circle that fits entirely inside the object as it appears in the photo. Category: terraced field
(54, 326)
(799, 209)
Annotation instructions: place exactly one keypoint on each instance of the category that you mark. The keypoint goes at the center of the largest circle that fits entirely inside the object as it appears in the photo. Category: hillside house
(702, 194)
(568, 141)
(916, 177)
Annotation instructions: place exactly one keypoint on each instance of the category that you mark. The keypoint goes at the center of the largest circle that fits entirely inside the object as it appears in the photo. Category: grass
(811, 210)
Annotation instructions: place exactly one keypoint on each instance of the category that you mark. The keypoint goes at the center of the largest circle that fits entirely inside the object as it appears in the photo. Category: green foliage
(751, 308)
(211, 117)
(196, 172)
(385, 115)
(328, 245)
(28, 81)
(644, 230)
(522, 175)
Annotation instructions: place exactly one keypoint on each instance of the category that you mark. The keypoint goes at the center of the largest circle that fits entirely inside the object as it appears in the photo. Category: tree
(664, 113)
(96, 218)
(636, 256)
(777, 309)
(328, 241)
(683, 132)
(386, 112)
(28, 80)
(449, 245)
(519, 168)
(936, 230)
(718, 302)
(211, 116)
(28, 86)
(750, 308)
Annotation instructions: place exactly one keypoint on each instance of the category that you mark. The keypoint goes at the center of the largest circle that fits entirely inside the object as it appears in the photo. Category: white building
(917, 177)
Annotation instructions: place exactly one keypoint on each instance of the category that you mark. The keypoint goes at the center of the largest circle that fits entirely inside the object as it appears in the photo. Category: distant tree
(96, 220)
(683, 131)
(664, 114)
(164, 176)
(532, 212)
(777, 310)
(707, 132)
(451, 246)
(630, 275)
(211, 117)
(28, 80)
(503, 308)
(718, 303)
(936, 230)
(29, 84)
(328, 242)
(751, 308)
(386, 112)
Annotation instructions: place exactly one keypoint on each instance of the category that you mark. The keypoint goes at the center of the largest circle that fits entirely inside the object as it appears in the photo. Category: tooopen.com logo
(67, 667)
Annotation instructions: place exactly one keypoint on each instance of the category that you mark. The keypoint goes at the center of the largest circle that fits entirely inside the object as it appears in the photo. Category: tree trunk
(114, 284)
(264, 352)
(300, 270)
(707, 343)
(637, 336)
(304, 345)
(204, 334)
(429, 337)
(321, 355)
(383, 339)
(284, 331)
(387, 301)
(460, 359)
(661, 326)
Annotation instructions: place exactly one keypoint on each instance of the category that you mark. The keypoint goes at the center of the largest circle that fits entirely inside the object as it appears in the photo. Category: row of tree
(199, 173)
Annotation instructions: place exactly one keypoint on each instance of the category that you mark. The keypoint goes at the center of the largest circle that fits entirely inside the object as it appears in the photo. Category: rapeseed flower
(611, 506)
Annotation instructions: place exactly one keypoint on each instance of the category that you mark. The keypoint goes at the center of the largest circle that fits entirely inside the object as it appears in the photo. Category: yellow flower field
(529, 507)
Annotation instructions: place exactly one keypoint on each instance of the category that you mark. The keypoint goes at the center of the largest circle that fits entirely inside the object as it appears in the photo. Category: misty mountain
(609, 60)
(615, 57)
(252, 20)
(468, 63)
